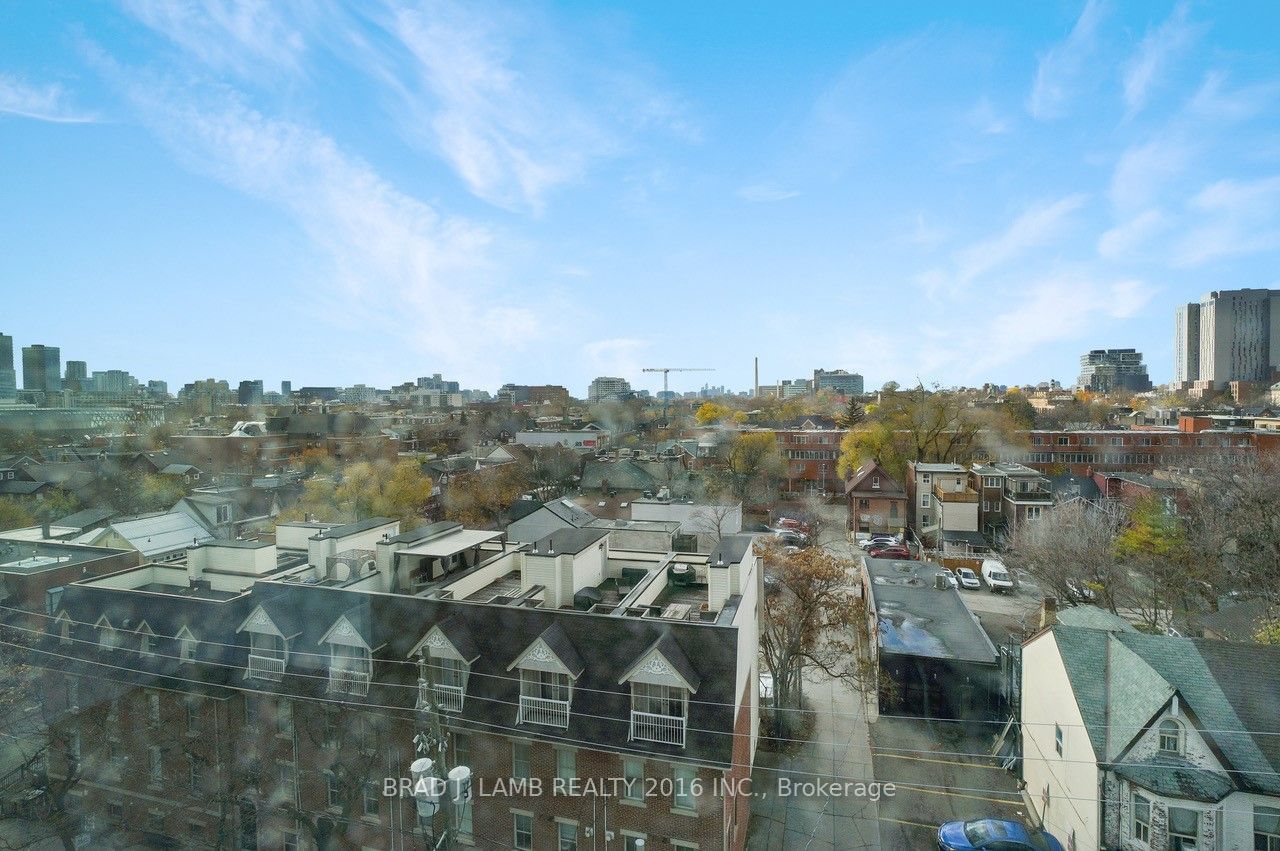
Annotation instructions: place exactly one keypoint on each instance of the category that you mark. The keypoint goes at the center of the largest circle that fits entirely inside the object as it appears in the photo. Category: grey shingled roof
(1121, 679)
(570, 512)
(1093, 617)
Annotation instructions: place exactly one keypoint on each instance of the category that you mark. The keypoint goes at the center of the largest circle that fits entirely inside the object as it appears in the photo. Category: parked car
(968, 579)
(994, 834)
(996, 575)
(792, 523)
(1080, 592)
(791, 538)
(879, 539)
(896, 551)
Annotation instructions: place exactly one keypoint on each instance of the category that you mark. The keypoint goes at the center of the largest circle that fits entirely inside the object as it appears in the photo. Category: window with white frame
(1141, 818)
(369, 799)
(1266, 828)
(684, 788)
(521, 760)
(1170, 736)
(926, 478)
(1057, 739)
(633, 779)
(632, 841)
(1184, 829)
(522, 831)
(567, 836)
(333, 791)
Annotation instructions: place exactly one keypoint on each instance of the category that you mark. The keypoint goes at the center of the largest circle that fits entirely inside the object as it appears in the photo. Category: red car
(797, 525)
(898, 552)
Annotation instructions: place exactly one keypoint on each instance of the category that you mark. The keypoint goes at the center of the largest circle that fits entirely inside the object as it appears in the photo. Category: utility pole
(436, 789)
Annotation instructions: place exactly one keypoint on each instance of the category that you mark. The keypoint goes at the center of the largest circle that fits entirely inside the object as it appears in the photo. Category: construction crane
(666, 397)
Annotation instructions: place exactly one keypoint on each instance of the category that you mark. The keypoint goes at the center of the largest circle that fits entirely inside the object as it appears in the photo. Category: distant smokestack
(757, 376)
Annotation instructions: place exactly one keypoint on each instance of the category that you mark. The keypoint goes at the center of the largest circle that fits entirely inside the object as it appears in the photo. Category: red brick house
(877, 502)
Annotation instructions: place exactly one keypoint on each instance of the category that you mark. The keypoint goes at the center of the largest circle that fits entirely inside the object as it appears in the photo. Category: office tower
(8, 378)
(158, 389)
(1235, 330)
(837, 381)
(605, 388)
(1186, 343)
(1104, 370)
(42, 368)
(286, 389)
(77, 376)
(250, 392)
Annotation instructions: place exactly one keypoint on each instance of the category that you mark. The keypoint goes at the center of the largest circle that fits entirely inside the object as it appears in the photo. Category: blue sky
(544, 193)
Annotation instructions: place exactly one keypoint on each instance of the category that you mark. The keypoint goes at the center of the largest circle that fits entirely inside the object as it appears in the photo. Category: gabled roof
(552, 644)
(664, 658)
(1230, 689)
(454, 631)
(623, 474)
(154, 534)
(82, 520)
(889, 486)
(351, 628)
(278, 622)
(570, 512)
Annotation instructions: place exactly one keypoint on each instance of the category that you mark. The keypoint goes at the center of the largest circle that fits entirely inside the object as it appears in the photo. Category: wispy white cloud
(1233, 217)
(1144, 169)
(984, 118)
(758, 193)
(1131, 235)
(1064, 306)
(1059, 72)
(240, 36)
(1157, 51)
(496, 96)
(390, 256)
(618, 356)
(1037, 226)
(47, 102)
(1213, 101)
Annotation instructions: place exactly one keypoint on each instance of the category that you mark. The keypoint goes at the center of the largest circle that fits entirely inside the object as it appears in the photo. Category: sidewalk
(839, 751)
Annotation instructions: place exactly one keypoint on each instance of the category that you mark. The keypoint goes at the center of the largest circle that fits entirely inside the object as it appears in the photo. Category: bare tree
(814, 617)
(1071, 551)
(708, 520)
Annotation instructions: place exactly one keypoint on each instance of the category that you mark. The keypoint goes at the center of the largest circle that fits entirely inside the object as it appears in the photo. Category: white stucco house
(1150, 742)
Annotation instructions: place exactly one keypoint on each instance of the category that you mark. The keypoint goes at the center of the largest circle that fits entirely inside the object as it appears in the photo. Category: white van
(996, 575)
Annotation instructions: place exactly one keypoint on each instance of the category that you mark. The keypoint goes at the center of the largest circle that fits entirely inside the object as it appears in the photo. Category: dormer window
(350, 658)
(268, 646)
(661, 682)
(146, 640)
(186, 645)
(875, 483)
(1170, 734)
(444, 655)
(62, 624)
(108, 638)
(548, 668)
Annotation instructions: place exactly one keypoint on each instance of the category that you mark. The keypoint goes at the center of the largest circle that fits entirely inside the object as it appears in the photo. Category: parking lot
(942, 773)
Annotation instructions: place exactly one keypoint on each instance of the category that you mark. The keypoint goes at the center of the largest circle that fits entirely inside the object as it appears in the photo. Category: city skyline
(532, 194)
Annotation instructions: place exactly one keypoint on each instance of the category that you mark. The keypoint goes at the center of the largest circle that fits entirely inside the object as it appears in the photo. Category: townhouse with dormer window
(317, 668)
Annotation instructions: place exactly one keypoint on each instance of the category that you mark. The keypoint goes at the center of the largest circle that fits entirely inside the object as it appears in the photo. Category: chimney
(1048, 612)
(44, 531)
(940, 582)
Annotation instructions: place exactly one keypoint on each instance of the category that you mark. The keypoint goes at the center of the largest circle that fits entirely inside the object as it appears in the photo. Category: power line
(576, 688)
(521, 733)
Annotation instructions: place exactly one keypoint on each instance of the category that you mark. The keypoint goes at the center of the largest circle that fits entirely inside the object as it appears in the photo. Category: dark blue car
(994, 835)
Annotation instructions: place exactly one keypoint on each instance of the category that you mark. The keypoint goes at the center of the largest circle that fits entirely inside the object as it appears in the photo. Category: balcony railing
(1031, 495)
(445, 698)
(349, 681)
(542, 710)
(651, 727)
(265, 667)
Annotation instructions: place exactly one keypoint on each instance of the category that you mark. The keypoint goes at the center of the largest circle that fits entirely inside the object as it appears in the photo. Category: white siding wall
(1047, 700)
